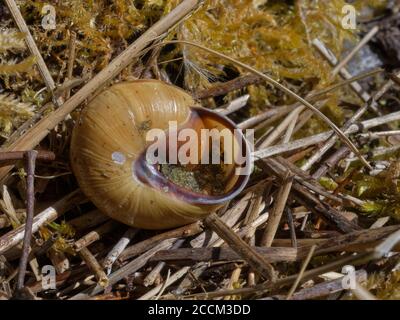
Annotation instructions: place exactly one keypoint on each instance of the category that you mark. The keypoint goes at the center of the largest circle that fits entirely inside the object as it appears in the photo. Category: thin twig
(355, 50)
(322, 137)
(88, 220)
(264, 287)
(356, 116)
(234, 105)
(252, 257)
(277, 211)
(19, 155)
(225, 87)
(230, 218)
(94, 266)
(267, 115)
(94, 235)
(327, 54)
(361, 293)
(120, 246)
(71, 60)
(321, 289)
(208, 254)
(170, 280)
(138, 248)
(151, 277)
(30, 157)
(302, 270)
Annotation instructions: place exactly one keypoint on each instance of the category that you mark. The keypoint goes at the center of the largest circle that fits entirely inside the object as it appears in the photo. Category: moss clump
(12, 43)
(104, 28)
(12, 113)
(380, 193)
(204, 179)
(274, 37)
(12, 110)
(385, 287)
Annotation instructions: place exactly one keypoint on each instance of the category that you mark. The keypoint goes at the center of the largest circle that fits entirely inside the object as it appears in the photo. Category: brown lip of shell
(149, 174)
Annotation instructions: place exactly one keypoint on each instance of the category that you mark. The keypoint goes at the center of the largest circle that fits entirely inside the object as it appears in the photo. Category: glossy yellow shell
(107, 141)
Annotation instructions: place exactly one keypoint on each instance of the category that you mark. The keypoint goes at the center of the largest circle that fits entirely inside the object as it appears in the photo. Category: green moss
(385, 286)
(205, 179)
(328, 183)
(12, 113)
(380, 192)
(181, 177)
(273, 37)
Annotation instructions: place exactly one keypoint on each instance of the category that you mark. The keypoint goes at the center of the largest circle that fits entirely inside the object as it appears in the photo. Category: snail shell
(108, 147)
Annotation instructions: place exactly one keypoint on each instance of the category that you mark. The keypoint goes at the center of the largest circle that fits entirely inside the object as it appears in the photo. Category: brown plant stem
(290, 220)
(277, 211)
(228, 86)
(19, 155)
(356, 116)
(138, 248)
(301, 273)
(192, 255)
(30, 158)
(321, 289)
(94, 235)
(333, 61)
(252, 257)
(152, 276)
(120, 246)
(71, 60)
(94, 266)
(324, 136)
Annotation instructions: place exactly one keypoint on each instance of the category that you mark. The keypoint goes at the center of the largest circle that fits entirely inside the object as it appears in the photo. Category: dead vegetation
(311, 206)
